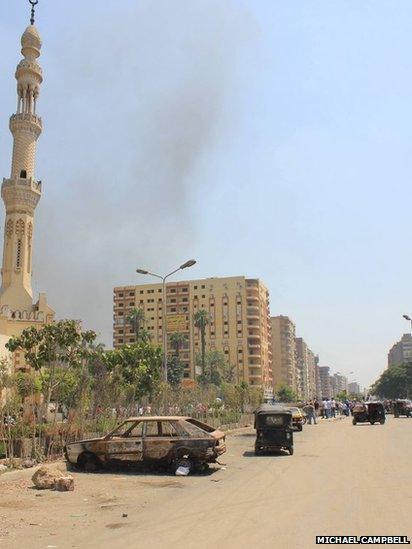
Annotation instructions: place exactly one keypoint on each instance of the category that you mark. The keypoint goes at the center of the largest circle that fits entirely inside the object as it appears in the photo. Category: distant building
(317, 377)
(238, 312)
(354, 388)
(401, 352)
(325, 383)
(307, 370)
(284, 359)
(339, 384)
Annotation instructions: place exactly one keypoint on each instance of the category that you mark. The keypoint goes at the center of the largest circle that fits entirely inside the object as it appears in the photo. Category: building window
(121, 294)
(18, 254)
(23, 174)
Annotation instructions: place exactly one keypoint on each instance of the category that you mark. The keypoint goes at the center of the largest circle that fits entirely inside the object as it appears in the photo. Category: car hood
(85, 441)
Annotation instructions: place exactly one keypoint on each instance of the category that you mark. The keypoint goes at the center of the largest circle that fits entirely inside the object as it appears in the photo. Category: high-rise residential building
(325, 382)
(284, 358)
(317, 377)
(238, 313)
(21, 193)
(401, 352)
(354, 388)
(339, 384)
(306, 364)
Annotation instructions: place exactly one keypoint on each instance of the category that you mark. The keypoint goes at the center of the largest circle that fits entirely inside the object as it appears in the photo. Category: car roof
(157, 418)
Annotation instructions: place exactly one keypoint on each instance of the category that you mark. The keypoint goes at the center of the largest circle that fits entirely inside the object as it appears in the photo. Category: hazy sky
(262, 137)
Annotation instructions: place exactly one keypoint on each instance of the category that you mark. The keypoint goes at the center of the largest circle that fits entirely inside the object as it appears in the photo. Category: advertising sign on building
(176, 323)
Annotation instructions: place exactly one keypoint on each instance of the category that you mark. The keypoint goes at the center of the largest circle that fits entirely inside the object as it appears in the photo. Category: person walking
(333, 407)
(309, 410)
(328, 408)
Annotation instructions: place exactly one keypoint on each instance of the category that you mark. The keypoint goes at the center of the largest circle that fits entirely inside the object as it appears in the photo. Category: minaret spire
(33, 4)
(21, 192)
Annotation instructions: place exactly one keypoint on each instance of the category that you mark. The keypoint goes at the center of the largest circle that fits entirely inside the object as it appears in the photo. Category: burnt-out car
(165, 441)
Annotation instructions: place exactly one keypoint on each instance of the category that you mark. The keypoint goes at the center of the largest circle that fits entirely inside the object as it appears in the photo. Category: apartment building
(306, 364)
(284, 358)
(354, 388)
(325, 381)
(401, 352)
(238, 313)
(339, 384)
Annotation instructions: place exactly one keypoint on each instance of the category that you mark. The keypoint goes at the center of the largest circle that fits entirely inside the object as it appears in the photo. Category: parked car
(169, 441)
(298, 418)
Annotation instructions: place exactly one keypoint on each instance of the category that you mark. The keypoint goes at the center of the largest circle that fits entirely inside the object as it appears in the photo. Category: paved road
(342, 480)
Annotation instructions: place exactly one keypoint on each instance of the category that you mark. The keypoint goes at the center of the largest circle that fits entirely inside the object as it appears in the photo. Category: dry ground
(342, 480)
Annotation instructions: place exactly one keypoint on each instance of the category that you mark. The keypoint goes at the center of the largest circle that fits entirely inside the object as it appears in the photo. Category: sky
(263, 138)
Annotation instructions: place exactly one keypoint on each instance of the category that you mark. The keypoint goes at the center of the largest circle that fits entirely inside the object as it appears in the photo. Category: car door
(159, 437)
(128, 446)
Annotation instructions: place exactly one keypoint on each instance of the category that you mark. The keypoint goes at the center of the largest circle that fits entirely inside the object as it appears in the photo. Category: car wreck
(171, 442)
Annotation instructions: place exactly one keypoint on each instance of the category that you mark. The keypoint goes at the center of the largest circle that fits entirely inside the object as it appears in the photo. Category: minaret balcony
(25, 183)
(21, 194)
(26, 122)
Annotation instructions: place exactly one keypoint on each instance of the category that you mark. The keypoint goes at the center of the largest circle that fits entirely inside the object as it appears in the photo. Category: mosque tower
(21, 192)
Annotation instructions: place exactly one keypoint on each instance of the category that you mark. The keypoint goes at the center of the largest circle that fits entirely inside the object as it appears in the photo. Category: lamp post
(189, 263)
(409, 319)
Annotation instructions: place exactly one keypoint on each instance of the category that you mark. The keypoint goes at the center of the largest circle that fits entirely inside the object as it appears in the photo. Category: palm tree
(176, 341)
(136, 320)
(201, 320)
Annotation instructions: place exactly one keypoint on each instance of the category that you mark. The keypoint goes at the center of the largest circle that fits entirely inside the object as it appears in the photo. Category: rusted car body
(171, 441)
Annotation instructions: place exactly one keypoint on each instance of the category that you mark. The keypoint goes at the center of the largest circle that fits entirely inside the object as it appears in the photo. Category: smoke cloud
(133, 103)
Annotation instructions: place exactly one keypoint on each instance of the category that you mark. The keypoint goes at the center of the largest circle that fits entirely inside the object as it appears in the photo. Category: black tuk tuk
(368, 412)
(274, 429)
(402, 407)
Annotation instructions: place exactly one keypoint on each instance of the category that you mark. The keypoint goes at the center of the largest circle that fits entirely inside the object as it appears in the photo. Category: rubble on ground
(51, 478)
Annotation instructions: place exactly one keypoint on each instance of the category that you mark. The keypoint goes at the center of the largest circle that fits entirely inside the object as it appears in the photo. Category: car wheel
(300, 427)
(89, 463)
(291, 451)
(353, 421)
(382, 422)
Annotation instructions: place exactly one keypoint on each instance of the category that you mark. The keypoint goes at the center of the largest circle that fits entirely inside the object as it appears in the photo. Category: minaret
(21, 192)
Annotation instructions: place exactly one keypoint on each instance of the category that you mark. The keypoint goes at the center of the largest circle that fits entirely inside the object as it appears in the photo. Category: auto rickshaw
(402, 407)
(274, 429)
(369, 412)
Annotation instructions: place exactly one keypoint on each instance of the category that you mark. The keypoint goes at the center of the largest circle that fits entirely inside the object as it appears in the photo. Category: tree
(286, 393)
(137, 366)
(136, 319)
(395, 382)
(201, 320)
(175, 369)
(53, 351)
(216, 369)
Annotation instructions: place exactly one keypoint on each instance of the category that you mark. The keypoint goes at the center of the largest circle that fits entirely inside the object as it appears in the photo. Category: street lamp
(186, 265)
(409, 319)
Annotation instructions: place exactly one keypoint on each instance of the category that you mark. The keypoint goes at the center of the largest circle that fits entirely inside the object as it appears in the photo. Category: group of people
(326, 408)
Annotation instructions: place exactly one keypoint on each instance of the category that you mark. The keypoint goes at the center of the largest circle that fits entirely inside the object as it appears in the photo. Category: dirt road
(342, 480)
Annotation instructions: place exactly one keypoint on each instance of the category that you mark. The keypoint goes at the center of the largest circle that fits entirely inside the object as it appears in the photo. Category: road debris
(45, 478)
(182, 471)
